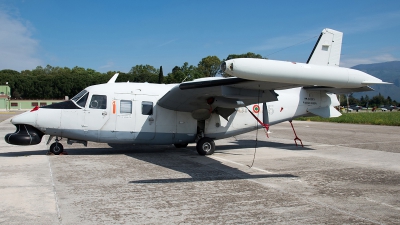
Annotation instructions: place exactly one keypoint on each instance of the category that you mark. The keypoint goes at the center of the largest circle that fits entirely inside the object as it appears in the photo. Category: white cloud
(18, 48)
(350, 62)
(109, 64)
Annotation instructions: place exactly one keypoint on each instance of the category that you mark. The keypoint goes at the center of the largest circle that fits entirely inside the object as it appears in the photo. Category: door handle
(104, 114)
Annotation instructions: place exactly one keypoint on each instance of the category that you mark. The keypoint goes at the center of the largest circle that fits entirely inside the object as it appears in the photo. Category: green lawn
(375, 118)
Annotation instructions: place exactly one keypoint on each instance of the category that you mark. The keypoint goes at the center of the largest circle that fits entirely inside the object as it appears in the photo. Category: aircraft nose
(28, 118)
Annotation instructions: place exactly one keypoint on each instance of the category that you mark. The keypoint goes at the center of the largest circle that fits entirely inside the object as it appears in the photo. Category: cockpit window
(98, 102)
(81, 98)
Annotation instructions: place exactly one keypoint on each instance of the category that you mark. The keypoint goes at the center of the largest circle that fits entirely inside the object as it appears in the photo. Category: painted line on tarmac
(54, 191)
(240, 164)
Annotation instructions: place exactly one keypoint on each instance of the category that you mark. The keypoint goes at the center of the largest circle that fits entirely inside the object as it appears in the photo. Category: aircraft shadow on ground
(199, 168)
(23, 153)
(187, 161)
(238, 144)
(184, 160)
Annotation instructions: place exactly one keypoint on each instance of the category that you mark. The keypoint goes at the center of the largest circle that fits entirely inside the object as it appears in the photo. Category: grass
(374, 118)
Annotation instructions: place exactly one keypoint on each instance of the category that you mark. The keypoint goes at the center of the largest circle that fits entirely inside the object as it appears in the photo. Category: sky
(118, 35)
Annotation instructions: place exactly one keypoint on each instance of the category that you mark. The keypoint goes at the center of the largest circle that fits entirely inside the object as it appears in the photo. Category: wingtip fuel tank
(298, 73)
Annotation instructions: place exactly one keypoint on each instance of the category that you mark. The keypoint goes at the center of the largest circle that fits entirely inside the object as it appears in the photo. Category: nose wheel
(56, 148)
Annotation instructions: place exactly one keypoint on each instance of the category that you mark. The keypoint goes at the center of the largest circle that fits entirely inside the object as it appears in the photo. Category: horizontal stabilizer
(325, 112)
(338, 90)
(374, 82)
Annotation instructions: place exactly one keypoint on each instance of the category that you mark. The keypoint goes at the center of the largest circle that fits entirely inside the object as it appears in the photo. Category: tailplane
(327, 50)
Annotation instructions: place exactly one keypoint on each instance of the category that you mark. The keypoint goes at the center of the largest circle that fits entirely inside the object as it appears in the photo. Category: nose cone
(28, 118)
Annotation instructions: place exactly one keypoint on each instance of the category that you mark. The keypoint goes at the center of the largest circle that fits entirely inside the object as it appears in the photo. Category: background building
(6, 103)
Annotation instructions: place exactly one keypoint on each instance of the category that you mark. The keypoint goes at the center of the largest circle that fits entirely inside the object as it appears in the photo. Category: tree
(177, 76)
(16, 94)
(209, 66)
(144, 73)
(183, 73)
(161, 76)
(377, 100)
(246, 55)
(389, 101)
(236, 56)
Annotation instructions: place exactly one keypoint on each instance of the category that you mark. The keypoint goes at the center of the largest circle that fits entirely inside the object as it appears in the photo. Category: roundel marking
(256, 108)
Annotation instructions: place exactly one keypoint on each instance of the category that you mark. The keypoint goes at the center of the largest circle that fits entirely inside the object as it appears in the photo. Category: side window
(126, 106)
(82, 101)
(147, 108)
(98, 102)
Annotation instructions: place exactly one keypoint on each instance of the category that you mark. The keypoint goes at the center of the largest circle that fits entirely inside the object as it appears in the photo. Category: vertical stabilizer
(327, 50)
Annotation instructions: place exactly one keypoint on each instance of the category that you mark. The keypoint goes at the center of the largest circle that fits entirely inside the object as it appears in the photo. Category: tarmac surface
(344, 174)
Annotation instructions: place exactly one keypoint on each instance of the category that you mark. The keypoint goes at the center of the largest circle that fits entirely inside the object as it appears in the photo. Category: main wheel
(181, 145)
(56, 148)
(205, 146)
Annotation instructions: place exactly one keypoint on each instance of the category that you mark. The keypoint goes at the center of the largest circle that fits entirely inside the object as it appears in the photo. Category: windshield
(81, 98)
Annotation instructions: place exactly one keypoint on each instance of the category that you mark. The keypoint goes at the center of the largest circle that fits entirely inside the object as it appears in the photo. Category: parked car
(354, 107)
(388, 107)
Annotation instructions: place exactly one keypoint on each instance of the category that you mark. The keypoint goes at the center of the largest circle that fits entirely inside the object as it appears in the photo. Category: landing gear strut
(205, 146)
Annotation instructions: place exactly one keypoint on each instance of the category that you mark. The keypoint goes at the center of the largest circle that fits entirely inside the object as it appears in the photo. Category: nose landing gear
(56, 148)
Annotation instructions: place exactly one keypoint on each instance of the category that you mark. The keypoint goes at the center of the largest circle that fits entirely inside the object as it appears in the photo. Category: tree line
(57, 82)
(366, 101)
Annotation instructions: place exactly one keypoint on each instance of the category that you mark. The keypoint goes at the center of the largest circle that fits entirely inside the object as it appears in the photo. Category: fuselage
(128, 113)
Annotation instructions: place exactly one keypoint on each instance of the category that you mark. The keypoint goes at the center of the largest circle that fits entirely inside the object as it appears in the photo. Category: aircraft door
(97, 113)
(125, 121)
(145, 115)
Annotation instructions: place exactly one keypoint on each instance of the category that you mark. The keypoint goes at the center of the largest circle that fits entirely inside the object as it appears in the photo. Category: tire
(56, 148)
(181, 145)
(205, 146)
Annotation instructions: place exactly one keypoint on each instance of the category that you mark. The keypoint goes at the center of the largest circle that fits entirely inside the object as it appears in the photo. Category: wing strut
(266, 126)
(296, 138)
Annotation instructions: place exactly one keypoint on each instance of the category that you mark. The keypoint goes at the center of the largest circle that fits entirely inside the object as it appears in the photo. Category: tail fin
(327, 49)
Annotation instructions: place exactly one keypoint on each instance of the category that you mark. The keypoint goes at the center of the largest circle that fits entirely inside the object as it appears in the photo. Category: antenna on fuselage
(113, 79)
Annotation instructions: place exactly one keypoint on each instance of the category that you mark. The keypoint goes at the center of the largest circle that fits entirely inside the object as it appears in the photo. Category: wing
(221, 94)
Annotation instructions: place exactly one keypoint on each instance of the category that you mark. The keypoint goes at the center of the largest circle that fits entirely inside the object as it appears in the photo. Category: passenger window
(147, 108)
(126, 106)
(98, 102)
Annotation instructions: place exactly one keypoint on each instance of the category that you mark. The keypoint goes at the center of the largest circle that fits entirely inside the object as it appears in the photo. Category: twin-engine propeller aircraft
(202, 110)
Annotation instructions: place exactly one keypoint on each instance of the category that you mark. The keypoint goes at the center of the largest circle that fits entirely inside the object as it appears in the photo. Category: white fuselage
(124, 119)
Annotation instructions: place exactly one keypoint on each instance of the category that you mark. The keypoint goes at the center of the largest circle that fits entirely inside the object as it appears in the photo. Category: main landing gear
(205, 146)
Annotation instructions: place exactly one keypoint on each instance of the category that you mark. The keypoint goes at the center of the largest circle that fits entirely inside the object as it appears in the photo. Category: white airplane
(202, 110)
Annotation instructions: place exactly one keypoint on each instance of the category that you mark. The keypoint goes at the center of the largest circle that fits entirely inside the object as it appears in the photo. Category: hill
(388, 72)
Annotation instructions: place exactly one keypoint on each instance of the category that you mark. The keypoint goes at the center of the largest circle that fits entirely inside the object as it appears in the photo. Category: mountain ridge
(387, 72)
